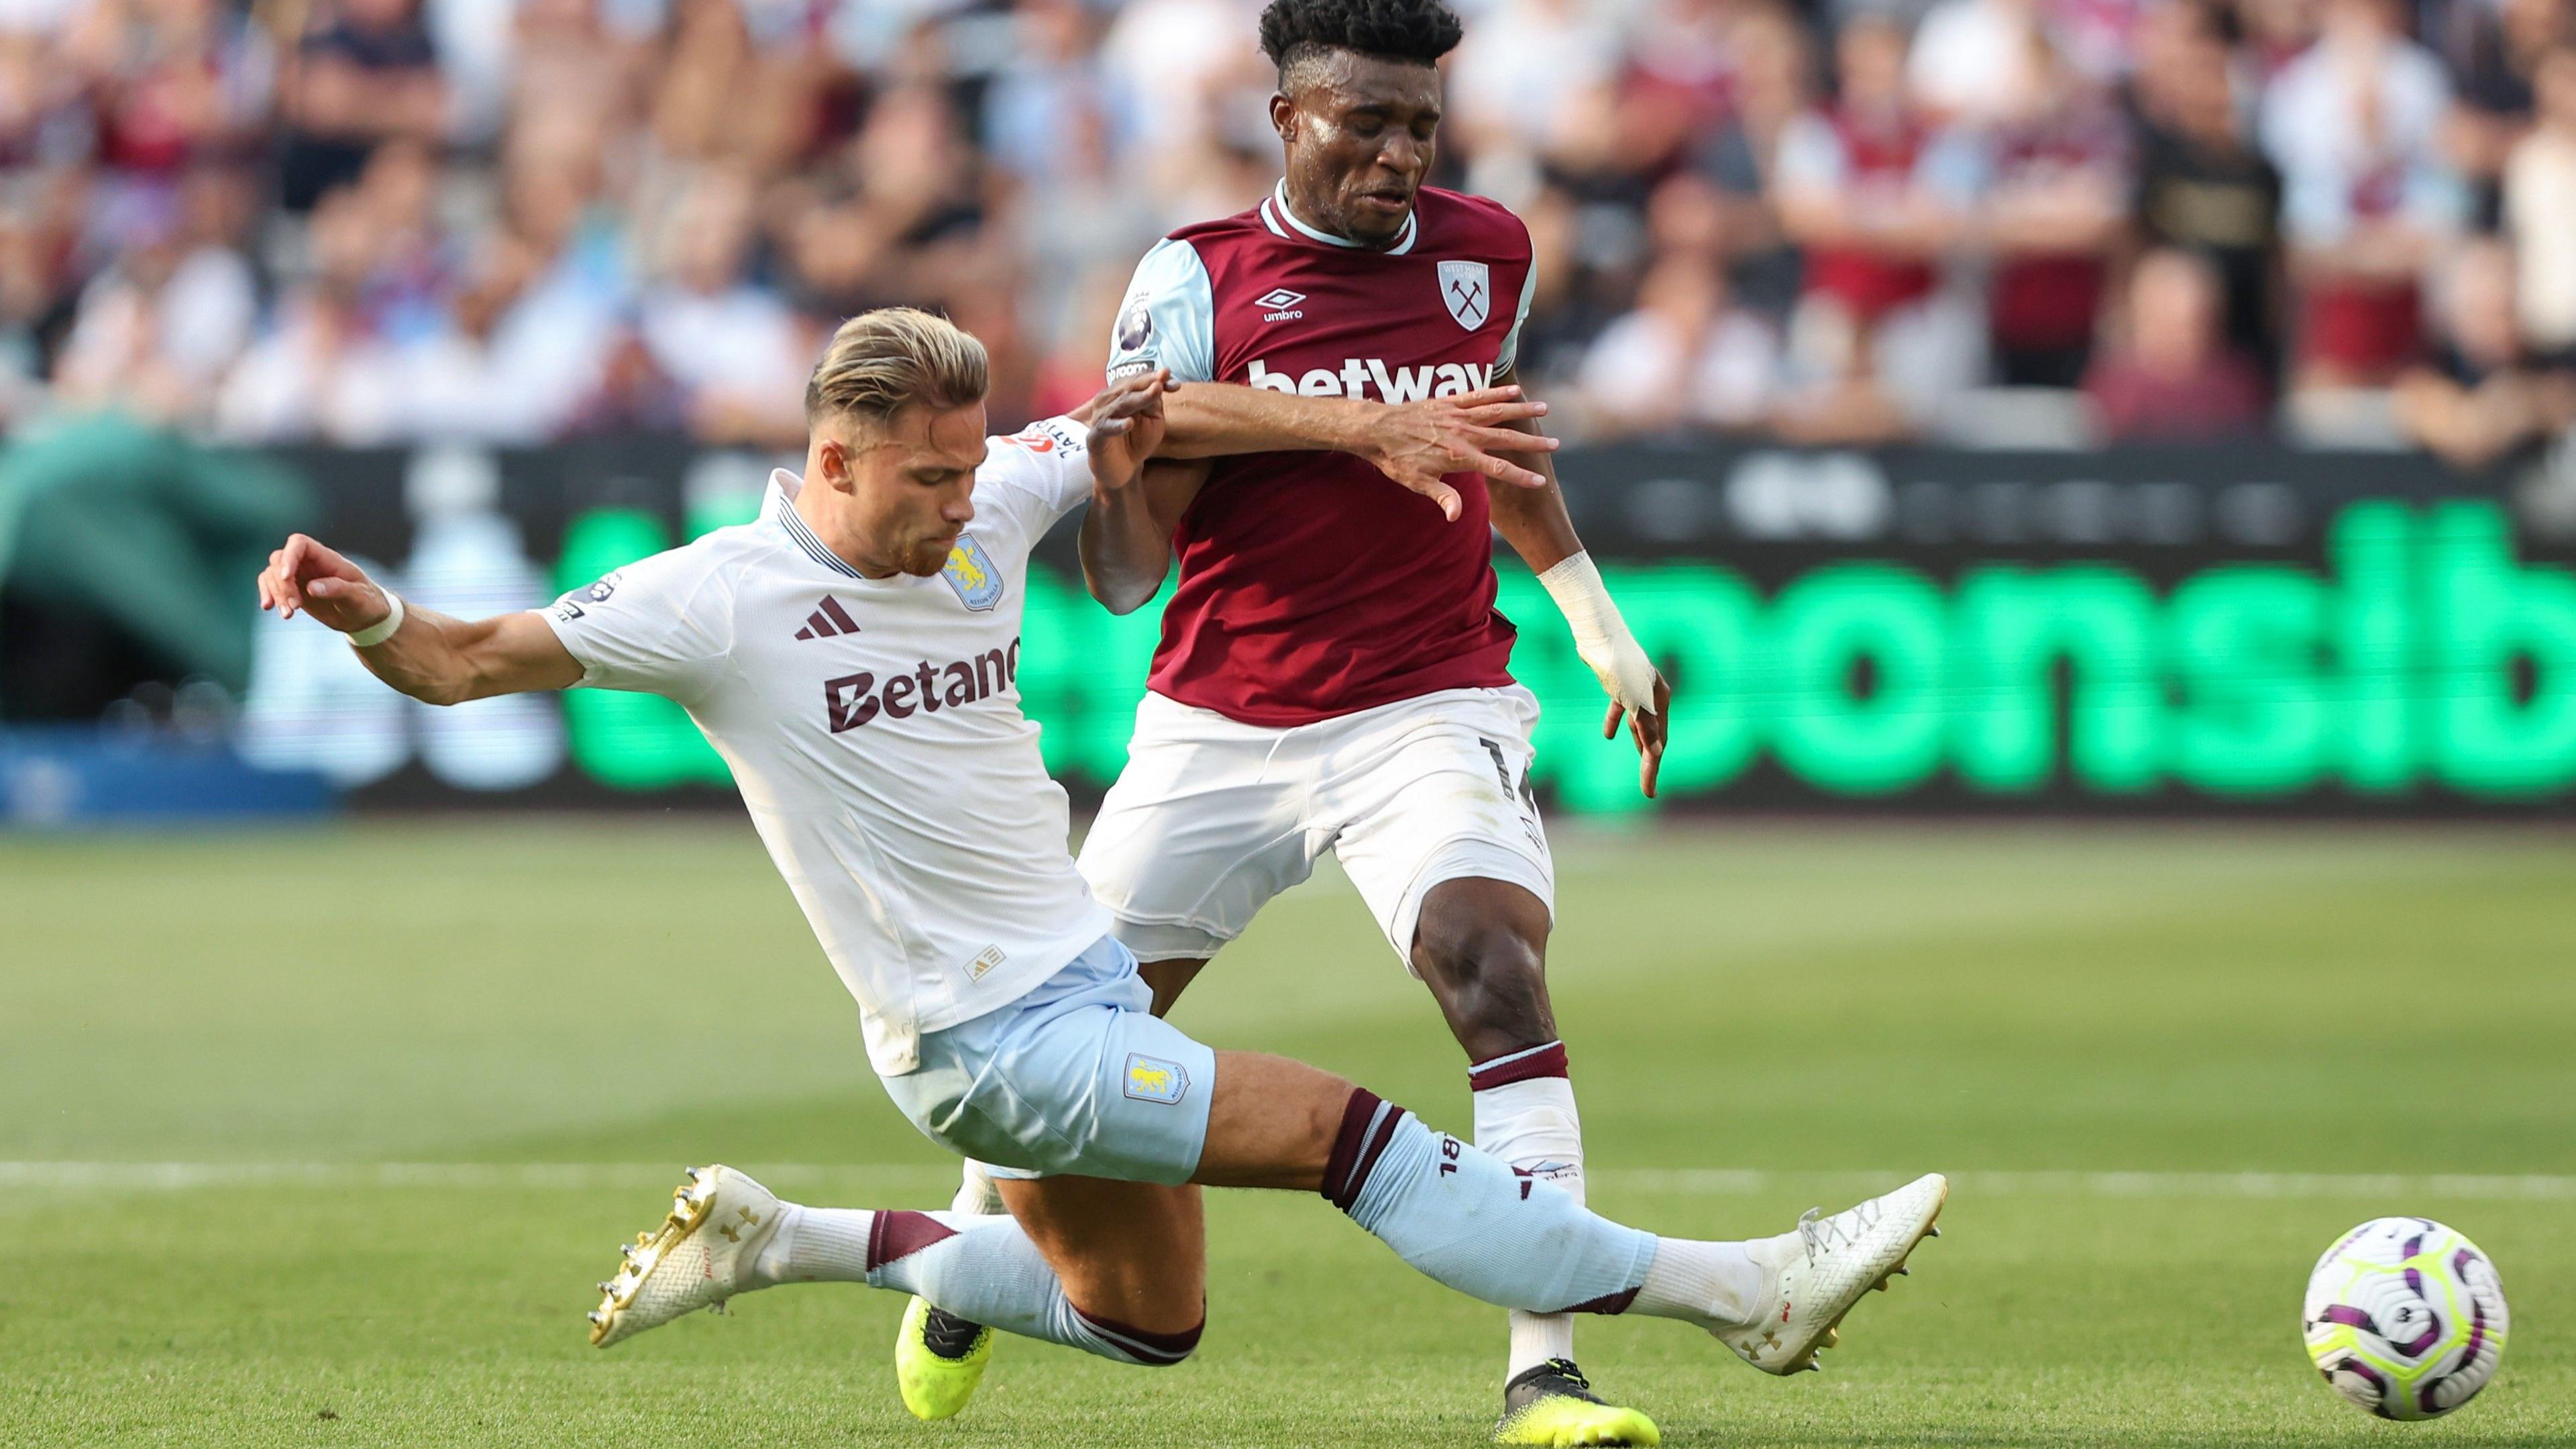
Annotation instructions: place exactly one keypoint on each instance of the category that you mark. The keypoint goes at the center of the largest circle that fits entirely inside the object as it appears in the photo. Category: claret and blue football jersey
(1311, 586)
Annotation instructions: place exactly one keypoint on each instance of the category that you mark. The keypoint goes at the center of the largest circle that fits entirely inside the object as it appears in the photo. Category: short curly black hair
(1415, 32)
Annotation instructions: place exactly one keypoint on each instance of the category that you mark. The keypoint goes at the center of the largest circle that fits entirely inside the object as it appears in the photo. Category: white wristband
(383, 629)
(1601, 637)
(1575, 584)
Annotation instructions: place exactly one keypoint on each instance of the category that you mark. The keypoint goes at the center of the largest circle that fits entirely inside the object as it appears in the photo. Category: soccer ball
(2405, 1318)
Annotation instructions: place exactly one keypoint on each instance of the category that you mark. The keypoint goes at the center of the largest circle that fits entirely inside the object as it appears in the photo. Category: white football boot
(1813, 1276)
(701, 1255)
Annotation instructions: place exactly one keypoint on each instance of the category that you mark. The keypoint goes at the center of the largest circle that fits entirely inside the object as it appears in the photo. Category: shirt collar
(780, 506)
(1276, 216)
(780, 496)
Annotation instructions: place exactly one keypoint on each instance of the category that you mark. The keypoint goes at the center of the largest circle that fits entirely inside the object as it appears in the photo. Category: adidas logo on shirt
(829, 621)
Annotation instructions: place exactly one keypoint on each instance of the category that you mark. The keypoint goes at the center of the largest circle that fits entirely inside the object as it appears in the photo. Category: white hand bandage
(1601, 637)
(383, 629)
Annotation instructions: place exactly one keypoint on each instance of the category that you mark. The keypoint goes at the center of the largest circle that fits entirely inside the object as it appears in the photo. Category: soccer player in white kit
(854, 655)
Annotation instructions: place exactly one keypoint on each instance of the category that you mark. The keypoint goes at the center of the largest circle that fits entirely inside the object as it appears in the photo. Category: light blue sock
(1470, 1222)
(979, 1268)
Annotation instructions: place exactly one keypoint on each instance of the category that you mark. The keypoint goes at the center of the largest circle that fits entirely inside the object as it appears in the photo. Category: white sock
(977, 1193)
(1525, 1116)
(817, 1245)
(1707, 1283)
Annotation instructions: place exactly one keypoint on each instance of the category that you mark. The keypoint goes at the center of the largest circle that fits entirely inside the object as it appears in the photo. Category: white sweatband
(1601, 637)
(1580, 595)
(383, 629)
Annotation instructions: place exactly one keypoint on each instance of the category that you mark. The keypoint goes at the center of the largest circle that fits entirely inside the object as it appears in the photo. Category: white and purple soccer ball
(2405, 1318)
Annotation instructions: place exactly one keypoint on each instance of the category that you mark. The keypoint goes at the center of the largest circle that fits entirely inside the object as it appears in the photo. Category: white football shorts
(1213, 817)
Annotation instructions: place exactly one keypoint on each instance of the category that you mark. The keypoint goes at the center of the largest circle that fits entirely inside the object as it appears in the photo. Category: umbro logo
(828, 621)
(1279, 305)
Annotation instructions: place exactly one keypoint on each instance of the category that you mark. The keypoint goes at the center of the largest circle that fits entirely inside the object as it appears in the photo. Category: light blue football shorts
(1077, 1078)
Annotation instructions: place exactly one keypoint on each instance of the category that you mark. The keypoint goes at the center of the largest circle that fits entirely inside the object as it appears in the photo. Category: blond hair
(884, 361)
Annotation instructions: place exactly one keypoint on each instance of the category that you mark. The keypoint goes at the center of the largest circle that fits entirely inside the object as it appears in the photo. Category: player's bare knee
(1491, 982)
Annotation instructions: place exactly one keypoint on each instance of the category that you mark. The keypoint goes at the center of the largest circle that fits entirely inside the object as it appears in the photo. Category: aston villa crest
(1463, 287)
(971, 573)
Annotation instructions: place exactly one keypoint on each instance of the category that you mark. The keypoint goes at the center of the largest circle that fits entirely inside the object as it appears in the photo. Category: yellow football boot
(939, 1358)
(1554, 1404)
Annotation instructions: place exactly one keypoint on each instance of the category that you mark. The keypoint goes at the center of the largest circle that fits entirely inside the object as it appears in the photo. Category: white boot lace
(1820, 1232)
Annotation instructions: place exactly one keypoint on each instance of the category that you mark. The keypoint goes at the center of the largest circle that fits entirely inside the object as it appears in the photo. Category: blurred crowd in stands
(2019, 221)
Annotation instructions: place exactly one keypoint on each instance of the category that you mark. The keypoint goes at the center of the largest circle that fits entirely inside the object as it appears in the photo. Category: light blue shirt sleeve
(1511, 350)
(1168, 319)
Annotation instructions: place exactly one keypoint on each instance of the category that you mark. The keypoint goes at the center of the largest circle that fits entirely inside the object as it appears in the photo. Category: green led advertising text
(2423, 653)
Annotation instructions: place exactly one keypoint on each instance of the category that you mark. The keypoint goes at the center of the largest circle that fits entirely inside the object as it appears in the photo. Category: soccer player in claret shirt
(854, 655)
(1332, 673)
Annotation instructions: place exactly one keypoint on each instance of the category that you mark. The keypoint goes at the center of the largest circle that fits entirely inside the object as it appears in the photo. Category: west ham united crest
(971, 573)
(1464, 289)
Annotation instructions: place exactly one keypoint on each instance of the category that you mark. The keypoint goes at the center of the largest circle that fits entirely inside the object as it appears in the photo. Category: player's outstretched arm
(1534, 522)
(428, 656)
(1136, 500)
(1415, 443)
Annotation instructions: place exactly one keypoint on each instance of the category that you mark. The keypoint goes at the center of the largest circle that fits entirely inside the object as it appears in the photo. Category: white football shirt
(874, 728)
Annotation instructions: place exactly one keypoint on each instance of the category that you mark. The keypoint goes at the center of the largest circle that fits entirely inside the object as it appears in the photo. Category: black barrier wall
(2181, 631)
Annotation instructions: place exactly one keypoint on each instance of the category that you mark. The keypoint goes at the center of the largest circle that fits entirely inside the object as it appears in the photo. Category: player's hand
(1418, 443)
(1127, 427)
(308, 576)
(1639, 691)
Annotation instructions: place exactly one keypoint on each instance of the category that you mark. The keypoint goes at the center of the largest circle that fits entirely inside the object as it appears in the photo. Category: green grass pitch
(365, 1112)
